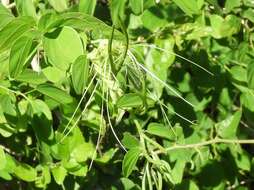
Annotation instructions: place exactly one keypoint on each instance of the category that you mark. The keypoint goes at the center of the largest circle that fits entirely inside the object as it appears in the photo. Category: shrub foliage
(126, 94)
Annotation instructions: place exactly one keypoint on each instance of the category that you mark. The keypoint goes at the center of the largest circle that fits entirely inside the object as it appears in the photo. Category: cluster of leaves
(126, 94)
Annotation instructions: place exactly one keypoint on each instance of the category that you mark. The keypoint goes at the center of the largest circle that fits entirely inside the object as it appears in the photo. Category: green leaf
(158, 63)
(224, 27)
(243, 161)
(42, 120)
(14, 30)
(130, 100)
(2, 158)
(5, 16)
(128, 184)
(59, 174)
(250, 75)
(80, 69)
(26, 8)
(83, 151)
(129, 141)
(56, 49)
(87, 6)
(107, 156)
(45, 178)
(31, 77)
(25, 172)
(190, 7)
(228, 127)
(117, 10)
(55, 93)
(59, 5)
(130, 160)
(187, 185)
(161, 131)
(178, 171)
(230, 5)
(239, 74)
(137, 6)
(249, 14)
(53, 74)
(20, 54)
(80, 22)
(154, 18)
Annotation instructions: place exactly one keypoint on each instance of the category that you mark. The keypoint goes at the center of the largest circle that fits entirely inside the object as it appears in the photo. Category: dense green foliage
(126, 94)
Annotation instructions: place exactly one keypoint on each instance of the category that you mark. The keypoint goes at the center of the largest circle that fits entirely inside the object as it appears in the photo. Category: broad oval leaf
(59, 5)
(25, 172)
(129, 101)
(190, 7)
(83, 151)
(59, 174)
(26, 8)
(31, 77)
(224, 27)
(129, 141)
(42, 120)
(79, 21)
(228, 127)
(2, 158)
(53, 74)
(21, 52)
(130, 160)
(137, 6)
(62, 47)
(160, 130)
(55, 93)
(79, 75)
(87, 6)
(117, 9)
(14, 30)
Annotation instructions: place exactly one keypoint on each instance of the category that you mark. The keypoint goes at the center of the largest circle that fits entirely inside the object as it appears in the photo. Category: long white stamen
(175, 54)
(157, 78)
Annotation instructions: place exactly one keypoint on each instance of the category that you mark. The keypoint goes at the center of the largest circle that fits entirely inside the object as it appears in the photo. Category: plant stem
(16, 92)
(162, 149)
(209, 142)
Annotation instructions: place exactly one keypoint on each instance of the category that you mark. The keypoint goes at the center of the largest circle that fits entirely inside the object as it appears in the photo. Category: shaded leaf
(130, 160)
(137, 6)
(160, 130)
(54, 93)
(31, 77)
(87, 6)
(129, 100)
(129, 141)
(190, 7)
(20, 53)
(59, 174)
(25, 172)
(59, 5)
(117, 9)
(26, 8)
(2, 158)
(14, 30)
(80, 69)
(5, 16)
